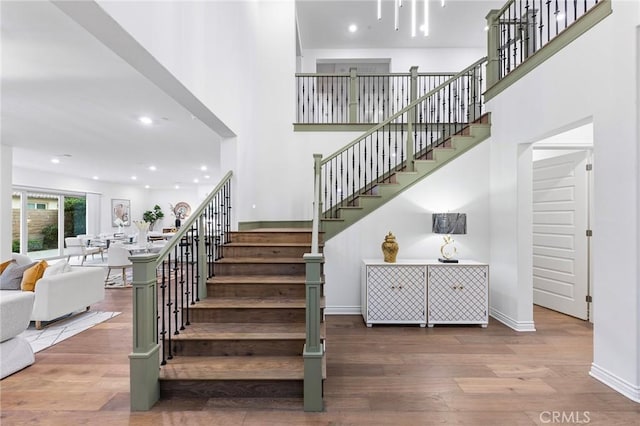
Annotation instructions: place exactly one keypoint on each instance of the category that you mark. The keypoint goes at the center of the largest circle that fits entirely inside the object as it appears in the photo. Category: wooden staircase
(378, 193)
(246, 338)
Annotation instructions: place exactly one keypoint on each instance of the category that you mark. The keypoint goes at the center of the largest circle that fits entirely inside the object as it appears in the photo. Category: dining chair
(118, 258)
(76, 247)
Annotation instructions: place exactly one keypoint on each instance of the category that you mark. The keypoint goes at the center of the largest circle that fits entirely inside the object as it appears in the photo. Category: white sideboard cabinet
(424, 292)
(458, 293)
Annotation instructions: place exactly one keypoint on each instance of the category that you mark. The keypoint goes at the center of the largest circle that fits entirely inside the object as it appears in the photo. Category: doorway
(561, 204)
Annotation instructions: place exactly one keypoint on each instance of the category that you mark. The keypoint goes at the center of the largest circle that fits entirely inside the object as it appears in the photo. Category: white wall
(427, 60)
(172, 196)
(590, 80)
(462, 186)
(238, 58)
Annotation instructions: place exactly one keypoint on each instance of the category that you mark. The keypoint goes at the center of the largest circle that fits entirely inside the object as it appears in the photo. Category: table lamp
(448, 224)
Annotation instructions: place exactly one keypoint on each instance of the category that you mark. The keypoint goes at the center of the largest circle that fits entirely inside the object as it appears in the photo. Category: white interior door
(560, 245)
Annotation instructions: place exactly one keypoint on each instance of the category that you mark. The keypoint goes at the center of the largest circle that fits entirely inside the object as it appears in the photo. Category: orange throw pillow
(32, 275)
(4, 265)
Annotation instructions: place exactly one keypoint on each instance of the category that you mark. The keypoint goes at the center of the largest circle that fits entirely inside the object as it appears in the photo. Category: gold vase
(390, 248)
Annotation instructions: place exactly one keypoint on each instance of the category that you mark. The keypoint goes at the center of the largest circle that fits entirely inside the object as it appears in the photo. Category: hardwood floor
(382, 375)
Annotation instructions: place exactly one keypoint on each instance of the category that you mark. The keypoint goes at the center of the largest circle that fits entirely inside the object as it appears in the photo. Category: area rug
(64, 328)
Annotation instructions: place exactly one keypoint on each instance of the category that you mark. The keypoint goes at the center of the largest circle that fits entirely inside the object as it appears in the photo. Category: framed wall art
(120, 212)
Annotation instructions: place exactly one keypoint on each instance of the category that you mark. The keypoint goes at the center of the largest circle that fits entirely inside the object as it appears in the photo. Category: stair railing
(422, 124)
(411, 133)
(354, 97)
(167, 284)
(523, 27)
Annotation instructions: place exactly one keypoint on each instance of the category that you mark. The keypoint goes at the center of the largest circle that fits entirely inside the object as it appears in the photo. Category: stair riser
(255, 290)
(243, 315)
(231, 388)
(265, 252)
(270, 237)
(259, 268)
(239, 347)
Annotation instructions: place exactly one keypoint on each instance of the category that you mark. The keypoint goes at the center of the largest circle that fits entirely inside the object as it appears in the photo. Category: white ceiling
(66, 95)
(323, 24)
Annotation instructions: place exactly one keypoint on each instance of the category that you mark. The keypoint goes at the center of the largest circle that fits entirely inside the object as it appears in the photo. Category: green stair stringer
(384, 192)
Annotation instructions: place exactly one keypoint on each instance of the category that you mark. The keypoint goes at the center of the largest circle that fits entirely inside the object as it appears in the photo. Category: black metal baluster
(163, 317)
(169, 307)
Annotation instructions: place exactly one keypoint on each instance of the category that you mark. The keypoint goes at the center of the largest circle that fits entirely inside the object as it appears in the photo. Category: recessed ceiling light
(203, 168)
(152, 168)
(147, 187)
(145, 120)
(207, 176)
(134, 177)
(486, 28)
(95, 178)
(196, 180)
(55, 160)
(353, 28)
(177, 186)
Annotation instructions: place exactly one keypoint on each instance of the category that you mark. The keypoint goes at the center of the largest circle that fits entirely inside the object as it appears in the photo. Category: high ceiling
(323, 24)
(66, 95)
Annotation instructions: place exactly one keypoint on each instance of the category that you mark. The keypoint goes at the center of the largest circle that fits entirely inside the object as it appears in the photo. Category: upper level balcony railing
(522, 28)
(349, 98)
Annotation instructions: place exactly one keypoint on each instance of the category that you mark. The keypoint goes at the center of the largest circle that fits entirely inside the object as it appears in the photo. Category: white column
(6, 179)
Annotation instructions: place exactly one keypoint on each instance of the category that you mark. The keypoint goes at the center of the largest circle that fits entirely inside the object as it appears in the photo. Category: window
(41, 220)
(36, 206)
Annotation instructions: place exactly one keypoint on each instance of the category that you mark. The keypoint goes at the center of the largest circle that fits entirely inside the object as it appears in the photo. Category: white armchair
(76, 247)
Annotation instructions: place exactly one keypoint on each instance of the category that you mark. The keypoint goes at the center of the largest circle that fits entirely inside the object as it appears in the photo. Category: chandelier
(398, 4)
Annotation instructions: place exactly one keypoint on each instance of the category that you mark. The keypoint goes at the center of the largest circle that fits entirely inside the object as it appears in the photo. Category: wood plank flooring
(393, 375)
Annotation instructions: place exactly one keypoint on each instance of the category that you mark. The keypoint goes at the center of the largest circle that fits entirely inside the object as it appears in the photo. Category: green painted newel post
(313, 350)
(492, 48)
(144, 360)
(411, 118)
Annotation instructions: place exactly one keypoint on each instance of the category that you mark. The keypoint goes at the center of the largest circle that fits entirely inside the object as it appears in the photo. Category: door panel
(560, 221)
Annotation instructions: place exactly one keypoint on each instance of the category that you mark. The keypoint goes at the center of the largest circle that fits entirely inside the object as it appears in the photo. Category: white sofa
(65, 293)
(15, 351)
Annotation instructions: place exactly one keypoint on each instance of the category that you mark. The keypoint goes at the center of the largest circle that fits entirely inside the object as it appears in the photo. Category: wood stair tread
(266, 260)
(267, 244)
(234, 368)
(253, 303)
(257, 279)
(274, 230)
(245, 331)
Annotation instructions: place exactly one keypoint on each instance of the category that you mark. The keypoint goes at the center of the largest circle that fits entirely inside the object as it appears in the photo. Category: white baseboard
(342, 310)
(510, 322)
(616, 383)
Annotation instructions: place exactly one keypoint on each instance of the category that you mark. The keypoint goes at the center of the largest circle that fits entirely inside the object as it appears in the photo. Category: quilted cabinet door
(396, 294)
(458, 294)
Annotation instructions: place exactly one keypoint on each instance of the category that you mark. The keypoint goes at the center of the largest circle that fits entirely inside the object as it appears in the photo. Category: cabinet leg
(423, 325)
(430, 325)
(369, 324)
(483, 325)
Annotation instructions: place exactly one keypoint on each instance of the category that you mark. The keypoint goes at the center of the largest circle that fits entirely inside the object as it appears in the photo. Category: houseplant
(151, 216)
